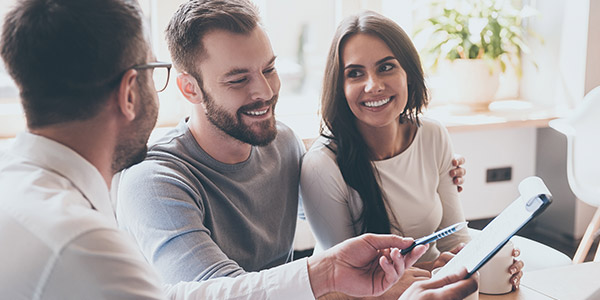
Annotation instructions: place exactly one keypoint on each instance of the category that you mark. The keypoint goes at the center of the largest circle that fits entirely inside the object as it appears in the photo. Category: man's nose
(262, 89)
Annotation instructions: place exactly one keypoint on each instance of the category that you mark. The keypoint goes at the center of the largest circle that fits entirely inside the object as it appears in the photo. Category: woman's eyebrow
(376, 63)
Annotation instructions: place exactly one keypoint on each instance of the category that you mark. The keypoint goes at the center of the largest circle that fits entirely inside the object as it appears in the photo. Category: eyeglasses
(160, 73)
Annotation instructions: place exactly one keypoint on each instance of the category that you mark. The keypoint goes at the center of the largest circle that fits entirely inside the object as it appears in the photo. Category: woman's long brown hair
(353, 156)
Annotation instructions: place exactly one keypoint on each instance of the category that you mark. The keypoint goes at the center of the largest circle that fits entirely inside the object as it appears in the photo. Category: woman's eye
(354, 73)
(386, 67)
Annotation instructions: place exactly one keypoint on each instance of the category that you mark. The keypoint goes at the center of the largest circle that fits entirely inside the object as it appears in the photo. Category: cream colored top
(419, 192)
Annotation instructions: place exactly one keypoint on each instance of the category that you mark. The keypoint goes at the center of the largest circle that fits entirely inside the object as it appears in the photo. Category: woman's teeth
(377, 103)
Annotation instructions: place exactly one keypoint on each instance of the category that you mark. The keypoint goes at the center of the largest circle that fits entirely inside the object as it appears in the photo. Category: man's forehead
(227, 51)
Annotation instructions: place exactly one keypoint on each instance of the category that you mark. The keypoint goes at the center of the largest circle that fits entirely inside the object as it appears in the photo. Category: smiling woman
(374, 83)
(380, 166)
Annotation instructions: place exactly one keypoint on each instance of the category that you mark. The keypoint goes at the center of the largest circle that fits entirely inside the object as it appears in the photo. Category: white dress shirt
(60, 239)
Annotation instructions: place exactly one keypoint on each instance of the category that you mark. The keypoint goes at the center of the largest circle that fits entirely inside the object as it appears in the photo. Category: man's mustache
(259, 104)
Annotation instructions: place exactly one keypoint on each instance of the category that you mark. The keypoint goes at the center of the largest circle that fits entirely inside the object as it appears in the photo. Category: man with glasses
(218, 195)
(85, 75)
(90, 106)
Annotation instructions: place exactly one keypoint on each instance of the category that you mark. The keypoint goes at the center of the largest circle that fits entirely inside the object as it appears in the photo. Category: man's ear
(188, 85)
(127, 95)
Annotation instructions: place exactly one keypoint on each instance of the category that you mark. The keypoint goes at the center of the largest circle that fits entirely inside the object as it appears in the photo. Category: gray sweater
(196, 218)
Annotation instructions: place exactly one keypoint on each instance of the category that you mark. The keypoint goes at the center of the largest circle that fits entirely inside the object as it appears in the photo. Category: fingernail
(513, 270)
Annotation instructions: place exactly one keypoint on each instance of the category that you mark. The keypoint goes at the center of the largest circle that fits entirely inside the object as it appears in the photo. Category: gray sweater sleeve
(163, 211)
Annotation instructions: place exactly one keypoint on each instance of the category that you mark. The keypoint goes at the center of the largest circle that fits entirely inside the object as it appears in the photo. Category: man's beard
(233, 125)
(132, 144)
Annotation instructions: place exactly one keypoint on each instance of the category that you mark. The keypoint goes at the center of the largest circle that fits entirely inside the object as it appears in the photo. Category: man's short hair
(67, 56)
(194, 19)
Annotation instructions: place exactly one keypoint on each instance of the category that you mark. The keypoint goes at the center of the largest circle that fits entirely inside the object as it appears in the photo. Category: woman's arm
(326, 198)
(451, 205)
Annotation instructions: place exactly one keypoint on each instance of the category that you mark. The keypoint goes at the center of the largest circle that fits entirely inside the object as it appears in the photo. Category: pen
(435, 236)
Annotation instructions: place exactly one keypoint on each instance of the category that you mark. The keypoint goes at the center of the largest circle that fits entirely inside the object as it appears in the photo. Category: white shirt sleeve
(289, 281)
(104, 264)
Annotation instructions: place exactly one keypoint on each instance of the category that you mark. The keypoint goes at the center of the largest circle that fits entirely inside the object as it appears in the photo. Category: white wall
(484, 149)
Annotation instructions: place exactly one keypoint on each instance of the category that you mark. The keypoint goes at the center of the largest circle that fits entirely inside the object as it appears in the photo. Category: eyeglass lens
(160, 75)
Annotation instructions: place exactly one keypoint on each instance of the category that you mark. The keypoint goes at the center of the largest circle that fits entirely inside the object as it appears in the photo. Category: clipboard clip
(534, 203)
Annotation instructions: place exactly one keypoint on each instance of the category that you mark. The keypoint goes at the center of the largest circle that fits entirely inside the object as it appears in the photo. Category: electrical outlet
(499, 174)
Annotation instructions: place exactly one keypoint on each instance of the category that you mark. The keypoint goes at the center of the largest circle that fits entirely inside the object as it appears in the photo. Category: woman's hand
(441, 260)
(446, 256)
(516, 269)
(410, 276)
(448, 288)
(458, 172)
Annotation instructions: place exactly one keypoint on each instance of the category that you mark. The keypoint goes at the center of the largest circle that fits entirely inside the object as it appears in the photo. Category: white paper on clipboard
(534, 198)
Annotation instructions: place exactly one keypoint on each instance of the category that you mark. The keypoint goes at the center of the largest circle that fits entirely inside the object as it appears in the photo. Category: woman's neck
(388, 141)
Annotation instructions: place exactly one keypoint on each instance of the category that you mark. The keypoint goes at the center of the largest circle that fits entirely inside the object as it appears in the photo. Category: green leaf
(500, 39)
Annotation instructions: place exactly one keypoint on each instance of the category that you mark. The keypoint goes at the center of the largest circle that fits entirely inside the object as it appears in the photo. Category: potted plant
(470, 42)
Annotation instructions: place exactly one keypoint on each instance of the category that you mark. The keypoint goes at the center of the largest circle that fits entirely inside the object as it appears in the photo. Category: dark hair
(339, 124)
(196, 18)
(66, 56)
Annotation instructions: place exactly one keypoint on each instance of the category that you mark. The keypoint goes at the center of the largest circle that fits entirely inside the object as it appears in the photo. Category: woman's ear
(188, 85)
(128, 97)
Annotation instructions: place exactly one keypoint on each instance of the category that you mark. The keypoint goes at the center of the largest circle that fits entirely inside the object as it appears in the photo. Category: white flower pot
(473, 82)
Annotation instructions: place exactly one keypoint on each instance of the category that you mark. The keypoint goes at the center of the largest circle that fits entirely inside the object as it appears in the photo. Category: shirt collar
(51, 155)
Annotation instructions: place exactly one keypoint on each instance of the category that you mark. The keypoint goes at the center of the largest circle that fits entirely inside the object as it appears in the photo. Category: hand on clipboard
(535, 197)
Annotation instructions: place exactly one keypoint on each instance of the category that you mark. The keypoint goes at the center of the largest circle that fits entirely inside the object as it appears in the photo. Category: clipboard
(534, 199)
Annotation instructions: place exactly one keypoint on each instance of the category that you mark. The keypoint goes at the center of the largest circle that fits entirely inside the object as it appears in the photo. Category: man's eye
(354, 73)
(241, 80)
(269, 70)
